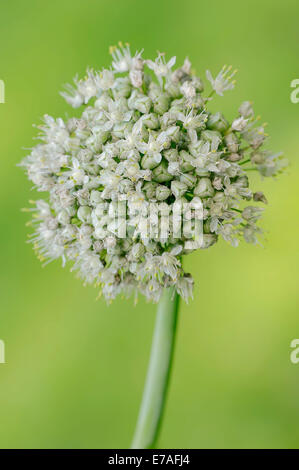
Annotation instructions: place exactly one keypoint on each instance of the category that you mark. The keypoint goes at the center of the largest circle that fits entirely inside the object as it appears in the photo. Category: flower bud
(63, 217)
(198, 83)
(162, 192)
(204, 188)
(84, 155)
(100, 233)
(242, 181)
(137, 250)
(210, 136)
(125, 186)
(72, 125)
(185, 159)
(84, 214)
(140, 102)
(188, 90)
(171, 155)
(257, 137)
(207, 226)
(178, 188)
(174, 168)
(82, 196)
(173, 133)
(95, 197)
(246, 109)
(173, 89)
(234, 157)
(197, 101)
(98, 246)
(100, 211)
(217, 122)
(217, 183)
(148, 162)
(136, 77)
(149, 189)
(232, 142)
(122, 88)
(202, 172)
(208, 240)
(52, 223)
(106, 79)
(259, 196)
(189, 179)
(160, 174)
(110, 242)
(258, 158)
(151, 121)
(120, 129)
(239, 124)
(103, 101)
(252, 213)
(85, 230)
(162, 104)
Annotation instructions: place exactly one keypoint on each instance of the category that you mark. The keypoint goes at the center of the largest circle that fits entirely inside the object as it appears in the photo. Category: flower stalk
(155, 390)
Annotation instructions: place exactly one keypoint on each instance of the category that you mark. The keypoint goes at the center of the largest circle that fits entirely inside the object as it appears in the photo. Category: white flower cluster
(145, 136)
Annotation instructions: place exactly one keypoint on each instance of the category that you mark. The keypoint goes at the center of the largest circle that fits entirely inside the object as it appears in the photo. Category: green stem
(155, 390)
(245, 161)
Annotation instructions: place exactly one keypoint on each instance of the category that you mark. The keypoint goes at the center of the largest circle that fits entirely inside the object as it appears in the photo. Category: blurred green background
(75, 368)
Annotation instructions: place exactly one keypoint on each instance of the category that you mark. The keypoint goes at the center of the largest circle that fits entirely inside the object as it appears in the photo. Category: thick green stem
(155, 390)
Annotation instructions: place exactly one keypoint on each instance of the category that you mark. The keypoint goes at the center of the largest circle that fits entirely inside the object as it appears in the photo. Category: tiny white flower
(105, 79)
(123, 60)
(222, 82)
(136, 77)
(239, 124)
(188, 90)
(246, 109)
(160, 67)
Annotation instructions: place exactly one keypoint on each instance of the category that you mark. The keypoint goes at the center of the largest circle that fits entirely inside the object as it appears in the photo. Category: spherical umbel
(145, 143)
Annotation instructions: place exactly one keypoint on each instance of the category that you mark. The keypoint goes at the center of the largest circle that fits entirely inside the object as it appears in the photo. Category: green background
(75, 367)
